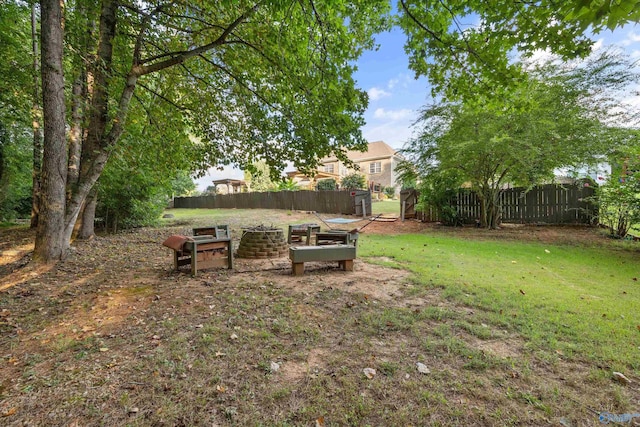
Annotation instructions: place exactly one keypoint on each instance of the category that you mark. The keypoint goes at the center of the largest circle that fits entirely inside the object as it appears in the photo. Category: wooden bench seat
(337, 237)
(299, 231)
(200, 252)
(344, 254)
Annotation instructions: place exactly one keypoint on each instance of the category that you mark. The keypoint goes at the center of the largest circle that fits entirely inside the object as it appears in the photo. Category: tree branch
(180, 58)
(164, 98)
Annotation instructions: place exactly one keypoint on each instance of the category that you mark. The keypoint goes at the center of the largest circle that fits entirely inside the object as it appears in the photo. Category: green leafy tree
(462, 44)
(210, 191)
(258, 177)
(182, 184)
(552, 119)
(266, 80)
(327, 184)
(354, 181)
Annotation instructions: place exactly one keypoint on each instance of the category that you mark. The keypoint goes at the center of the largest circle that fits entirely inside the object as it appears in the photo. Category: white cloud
(631, 39)
(395, 134)
(391, 84)
(376, 93)
(402, 114)
(597, 45)
(391, 126)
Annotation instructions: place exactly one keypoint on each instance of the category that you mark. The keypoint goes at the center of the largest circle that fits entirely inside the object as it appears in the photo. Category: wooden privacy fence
(550, 204)
(337, 202)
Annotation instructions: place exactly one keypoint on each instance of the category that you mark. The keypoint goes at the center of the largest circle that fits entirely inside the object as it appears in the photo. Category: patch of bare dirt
(368, 279)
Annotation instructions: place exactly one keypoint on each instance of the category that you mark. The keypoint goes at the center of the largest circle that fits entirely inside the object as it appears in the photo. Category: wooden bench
(204, 251)
(217, 231)
(337, 237)
(344, 254)
(297, 232)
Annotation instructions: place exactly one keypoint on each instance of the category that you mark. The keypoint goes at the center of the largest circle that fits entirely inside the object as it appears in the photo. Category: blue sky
(395, 96)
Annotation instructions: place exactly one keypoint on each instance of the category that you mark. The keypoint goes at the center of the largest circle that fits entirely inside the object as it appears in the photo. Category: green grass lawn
(578, 302)
(386, 207)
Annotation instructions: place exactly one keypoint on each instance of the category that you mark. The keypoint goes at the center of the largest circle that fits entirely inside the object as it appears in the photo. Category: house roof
(375, 150)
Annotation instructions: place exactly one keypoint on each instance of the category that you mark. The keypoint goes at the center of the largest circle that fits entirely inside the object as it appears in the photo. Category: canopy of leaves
(277, 86)
(147, 167)
(457, 42)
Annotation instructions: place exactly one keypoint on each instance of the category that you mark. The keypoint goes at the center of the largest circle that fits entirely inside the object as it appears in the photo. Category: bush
(619, 204)
(327, 184)
(130, 204)
(439, 191)
(355, 181)
(390, 192)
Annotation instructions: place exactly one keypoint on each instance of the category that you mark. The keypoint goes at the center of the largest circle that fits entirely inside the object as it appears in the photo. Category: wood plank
(322, 253)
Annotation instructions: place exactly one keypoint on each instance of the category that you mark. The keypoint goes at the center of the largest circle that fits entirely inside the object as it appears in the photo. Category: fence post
(404, 206)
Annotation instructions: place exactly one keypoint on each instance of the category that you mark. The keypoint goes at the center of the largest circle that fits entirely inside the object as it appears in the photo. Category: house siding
(381, 153)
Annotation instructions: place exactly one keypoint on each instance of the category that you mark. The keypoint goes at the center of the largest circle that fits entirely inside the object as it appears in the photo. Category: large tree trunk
(95, 153)
(85, 224)
(489, 207)
(37, 134)
(50, 245)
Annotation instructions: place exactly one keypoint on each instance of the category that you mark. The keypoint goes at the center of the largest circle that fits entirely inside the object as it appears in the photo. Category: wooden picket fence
(545, 204)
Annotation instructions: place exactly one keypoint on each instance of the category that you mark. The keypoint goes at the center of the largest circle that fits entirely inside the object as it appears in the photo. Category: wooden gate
(409, 199)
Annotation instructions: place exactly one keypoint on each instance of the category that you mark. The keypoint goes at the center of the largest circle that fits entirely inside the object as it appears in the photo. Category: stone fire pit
(262, 243)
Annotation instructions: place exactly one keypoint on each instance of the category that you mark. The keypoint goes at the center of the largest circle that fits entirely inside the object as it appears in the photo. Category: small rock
(369, 372)
(134, 410)
(274, 366)
(234, 337)
(422, 368)
(565, 422)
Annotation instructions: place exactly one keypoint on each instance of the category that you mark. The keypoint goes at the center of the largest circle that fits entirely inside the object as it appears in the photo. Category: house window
(375, 167)
(328, 168)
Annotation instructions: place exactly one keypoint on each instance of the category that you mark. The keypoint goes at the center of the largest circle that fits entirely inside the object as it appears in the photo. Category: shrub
(355, 181)
(327, 184)
(390, 192)
(619, 204)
